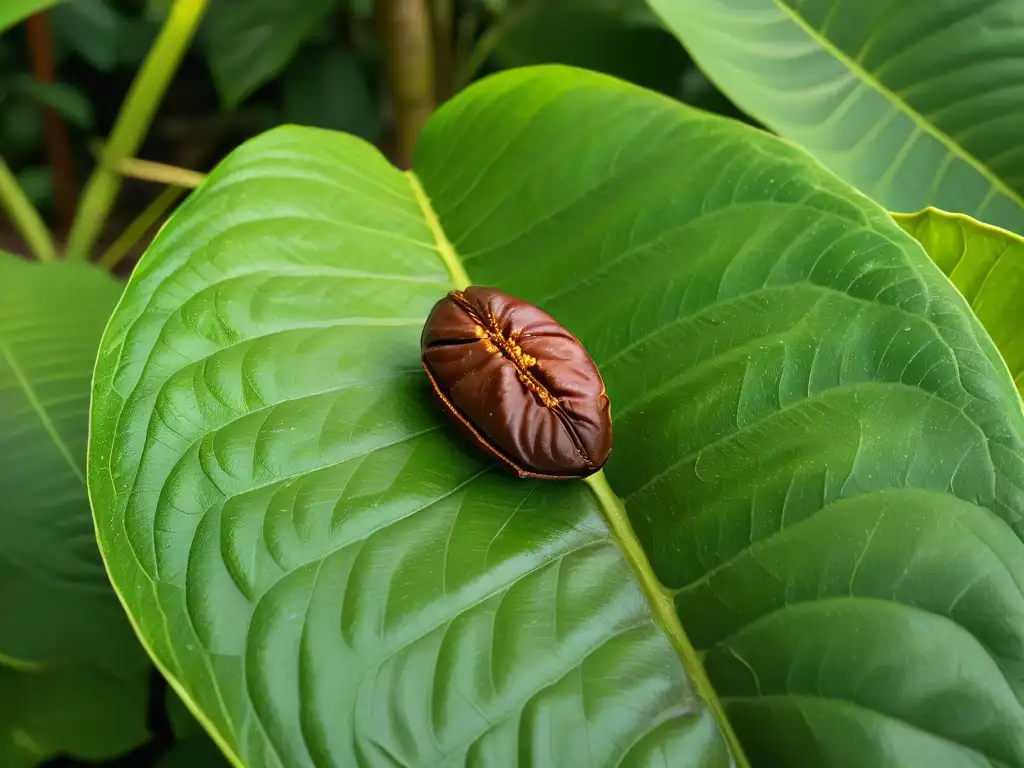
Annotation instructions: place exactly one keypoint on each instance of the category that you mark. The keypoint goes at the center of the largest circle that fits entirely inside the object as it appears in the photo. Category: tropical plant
(806, 547)
(73, 678)
(806, 551)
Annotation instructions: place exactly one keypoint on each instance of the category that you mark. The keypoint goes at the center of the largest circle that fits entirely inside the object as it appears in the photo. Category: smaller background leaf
(326, 88)
(36, 182)
(986, 264)
(76, 711)
(91, 28)
(195, 748)
(64, 99)
(56, 602)
(248, 43)
(183, 724)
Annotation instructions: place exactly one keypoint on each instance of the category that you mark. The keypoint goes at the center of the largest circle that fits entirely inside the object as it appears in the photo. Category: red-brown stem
(58, 148)
(408, 40)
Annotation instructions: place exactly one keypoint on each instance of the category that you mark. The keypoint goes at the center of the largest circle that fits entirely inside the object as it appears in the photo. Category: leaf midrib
(40, 411)
(889, 95)
(614, 512)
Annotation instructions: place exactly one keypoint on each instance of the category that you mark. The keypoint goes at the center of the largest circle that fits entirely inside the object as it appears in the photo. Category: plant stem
(139, 226)
(25, 217)
(132, 123)
(161, 173)
(58, 149)
(409, 45)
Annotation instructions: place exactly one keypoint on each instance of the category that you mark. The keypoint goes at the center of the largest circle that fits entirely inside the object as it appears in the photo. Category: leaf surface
(55, 599)
(334, 577)
(987, 265)
(915, 102)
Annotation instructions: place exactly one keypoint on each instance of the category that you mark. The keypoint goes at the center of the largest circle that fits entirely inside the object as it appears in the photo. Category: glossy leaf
(817, 444)
(80, 712)
(248, 43)
(916, 102)
(14, 11)
(987, 265)
(55, 599)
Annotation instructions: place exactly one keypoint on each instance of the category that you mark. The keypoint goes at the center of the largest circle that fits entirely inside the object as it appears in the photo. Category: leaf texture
(55, 599)
(915, 102)
(817, 444)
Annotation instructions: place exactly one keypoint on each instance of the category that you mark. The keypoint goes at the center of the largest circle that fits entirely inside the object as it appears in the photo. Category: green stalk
(25, 217)
(133, 121)
(161, 173)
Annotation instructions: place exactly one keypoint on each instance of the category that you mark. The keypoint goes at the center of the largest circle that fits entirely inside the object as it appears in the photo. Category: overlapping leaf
(916, 102)
(248, 43)
(77, 711)
(55, 600)
(818, 447)
(987, 265)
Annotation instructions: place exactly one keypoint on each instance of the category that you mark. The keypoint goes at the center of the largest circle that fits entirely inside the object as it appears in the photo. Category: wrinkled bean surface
(519, 384)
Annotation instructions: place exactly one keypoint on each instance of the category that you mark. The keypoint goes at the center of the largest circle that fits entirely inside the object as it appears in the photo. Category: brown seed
(518, 383)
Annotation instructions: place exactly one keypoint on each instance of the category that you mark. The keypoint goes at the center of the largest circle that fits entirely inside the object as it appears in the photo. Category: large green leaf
(987, 265)
(55, 599)
(916, 102)
(250, 42)
(13, 11)
(69, 711)
(817, 444)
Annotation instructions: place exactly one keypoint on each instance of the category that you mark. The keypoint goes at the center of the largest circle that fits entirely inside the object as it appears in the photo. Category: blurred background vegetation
(255, 64)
